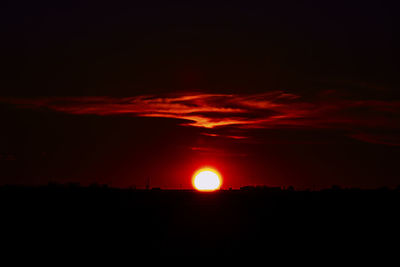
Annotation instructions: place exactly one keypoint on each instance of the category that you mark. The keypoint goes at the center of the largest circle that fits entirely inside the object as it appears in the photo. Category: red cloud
(245, 112)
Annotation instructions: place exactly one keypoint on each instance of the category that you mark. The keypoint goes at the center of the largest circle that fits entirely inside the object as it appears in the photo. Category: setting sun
(207, 179)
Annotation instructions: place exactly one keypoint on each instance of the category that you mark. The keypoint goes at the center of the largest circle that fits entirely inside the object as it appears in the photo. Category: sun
(206, 179)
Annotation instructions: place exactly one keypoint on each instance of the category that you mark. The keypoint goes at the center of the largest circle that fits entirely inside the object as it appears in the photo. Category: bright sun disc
(207, 179)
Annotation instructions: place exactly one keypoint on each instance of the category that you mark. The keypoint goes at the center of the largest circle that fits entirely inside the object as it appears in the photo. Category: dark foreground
(70, 221)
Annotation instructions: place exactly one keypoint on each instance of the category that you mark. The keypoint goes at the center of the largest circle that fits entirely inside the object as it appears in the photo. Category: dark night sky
(301, 93)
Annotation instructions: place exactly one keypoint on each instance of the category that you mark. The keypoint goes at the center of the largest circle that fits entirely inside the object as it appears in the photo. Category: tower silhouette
(148, 183)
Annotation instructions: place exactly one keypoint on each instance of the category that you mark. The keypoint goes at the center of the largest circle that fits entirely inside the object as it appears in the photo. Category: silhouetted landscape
(70, 219)
(153, 130)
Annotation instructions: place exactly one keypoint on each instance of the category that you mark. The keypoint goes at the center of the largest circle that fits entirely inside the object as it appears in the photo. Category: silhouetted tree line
(236, 221)
(249, 188)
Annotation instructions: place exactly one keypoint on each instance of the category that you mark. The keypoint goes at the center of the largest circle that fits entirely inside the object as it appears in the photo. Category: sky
(301, 93)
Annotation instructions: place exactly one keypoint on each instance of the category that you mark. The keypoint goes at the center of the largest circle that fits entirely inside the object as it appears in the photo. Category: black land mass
(73, 220)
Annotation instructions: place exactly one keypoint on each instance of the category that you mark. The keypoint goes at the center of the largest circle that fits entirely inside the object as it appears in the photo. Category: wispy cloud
(275, 109)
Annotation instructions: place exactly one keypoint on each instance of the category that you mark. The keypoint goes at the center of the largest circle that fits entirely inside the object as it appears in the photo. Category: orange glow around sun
(207, 179)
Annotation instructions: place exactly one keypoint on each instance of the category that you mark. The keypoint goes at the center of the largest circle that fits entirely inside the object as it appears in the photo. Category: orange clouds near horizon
(241, 112)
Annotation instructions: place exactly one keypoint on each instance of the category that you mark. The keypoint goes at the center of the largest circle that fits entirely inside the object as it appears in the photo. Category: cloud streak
(243, 113)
